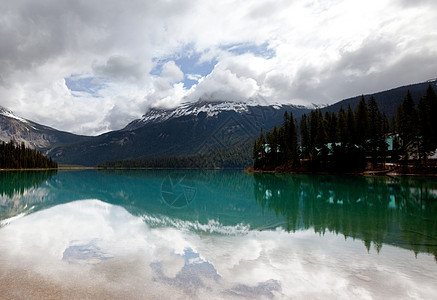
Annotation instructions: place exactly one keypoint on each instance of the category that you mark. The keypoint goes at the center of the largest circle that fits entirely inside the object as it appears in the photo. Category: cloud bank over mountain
(93, 66)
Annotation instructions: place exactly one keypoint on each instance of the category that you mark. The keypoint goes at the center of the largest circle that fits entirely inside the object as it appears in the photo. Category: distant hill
(389, 100)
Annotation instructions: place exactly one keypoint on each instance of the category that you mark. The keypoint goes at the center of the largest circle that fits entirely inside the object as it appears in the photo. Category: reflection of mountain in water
(19, 191)
(398, 211)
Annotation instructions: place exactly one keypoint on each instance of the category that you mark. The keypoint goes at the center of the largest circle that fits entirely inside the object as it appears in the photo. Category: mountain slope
(32, 134)
(389, 100)
(191, 129)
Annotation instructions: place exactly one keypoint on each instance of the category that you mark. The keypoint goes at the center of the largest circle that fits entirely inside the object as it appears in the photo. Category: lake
(216, 235)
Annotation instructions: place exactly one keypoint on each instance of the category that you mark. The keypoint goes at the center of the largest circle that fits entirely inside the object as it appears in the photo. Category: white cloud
(171, 72)
(194, 77)
(167, 91)
(223, 84)
(324, 51)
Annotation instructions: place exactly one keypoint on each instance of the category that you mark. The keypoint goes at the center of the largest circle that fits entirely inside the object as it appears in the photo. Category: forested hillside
(13, 156)
(352, 140)
(225, 158)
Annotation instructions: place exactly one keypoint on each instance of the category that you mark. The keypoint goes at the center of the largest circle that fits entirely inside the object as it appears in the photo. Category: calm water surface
(216, 235)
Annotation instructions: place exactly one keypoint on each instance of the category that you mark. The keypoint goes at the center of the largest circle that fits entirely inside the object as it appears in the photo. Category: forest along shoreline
(363, 141)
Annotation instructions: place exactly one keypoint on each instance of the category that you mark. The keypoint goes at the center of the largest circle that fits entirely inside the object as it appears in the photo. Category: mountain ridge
(387, 100)
(211, 108)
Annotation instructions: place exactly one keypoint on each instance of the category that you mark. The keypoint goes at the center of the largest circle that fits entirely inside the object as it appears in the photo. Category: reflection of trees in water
(15, 185)
(399, 211)
(17, 182)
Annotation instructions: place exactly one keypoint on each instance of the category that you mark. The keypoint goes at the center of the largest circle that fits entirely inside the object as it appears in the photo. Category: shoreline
(250, 170)
(29, 169)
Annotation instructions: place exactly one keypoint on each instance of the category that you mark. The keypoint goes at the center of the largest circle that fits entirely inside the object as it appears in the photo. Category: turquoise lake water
(217, 235)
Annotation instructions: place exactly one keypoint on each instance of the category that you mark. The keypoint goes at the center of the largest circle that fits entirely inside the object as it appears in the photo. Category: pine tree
(350, 119)
(321, 136)
(376, 134)
(332, 128)
(407, 126)
(362, 122)
(342, 127)
(304, 136)
(427, 109)
(293, 141)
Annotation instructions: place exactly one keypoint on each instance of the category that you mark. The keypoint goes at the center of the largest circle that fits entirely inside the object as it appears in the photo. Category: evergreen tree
(350, 119)
(407, 127)
(305, 136)
(332, 128)
(273, 141)
(321, 136)
(362, 122)
(427, 131)
(293, 142)
(343, 134)
(314, 126)
(376, 134)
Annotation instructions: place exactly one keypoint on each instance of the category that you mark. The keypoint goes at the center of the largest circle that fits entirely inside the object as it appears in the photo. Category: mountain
(211, 109)
(221, 129)
(191, 129)
(32, 134)
(389, 100)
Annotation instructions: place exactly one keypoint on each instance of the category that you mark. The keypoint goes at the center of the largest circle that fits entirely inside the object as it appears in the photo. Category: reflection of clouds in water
(93, 244)
(21, 202)
(79, 252)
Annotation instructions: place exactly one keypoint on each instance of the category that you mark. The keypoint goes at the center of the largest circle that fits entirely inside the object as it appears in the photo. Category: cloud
(167, 91)
(171, 72)
(223, 84)
(194, 77)
(121, 68)
(290, 51)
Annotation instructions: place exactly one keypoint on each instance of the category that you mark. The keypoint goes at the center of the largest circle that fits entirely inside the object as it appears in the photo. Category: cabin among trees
(354, 141)
(14, 156)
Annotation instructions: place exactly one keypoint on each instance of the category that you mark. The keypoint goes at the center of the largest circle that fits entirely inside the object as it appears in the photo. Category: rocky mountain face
(193, 128)
(32, 134)
(210, 109)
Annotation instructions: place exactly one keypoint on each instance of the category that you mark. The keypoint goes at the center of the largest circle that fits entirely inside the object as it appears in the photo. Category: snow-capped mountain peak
(211, 108)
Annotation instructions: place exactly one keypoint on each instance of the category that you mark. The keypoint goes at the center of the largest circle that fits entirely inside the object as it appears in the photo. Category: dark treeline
(13, 156)
(226, 158)
(352, 140)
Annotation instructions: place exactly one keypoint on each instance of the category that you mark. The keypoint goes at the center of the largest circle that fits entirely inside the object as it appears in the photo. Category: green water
(216, 226)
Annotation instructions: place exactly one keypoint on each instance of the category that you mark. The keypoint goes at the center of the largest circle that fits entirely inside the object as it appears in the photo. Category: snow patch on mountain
(211, 109)
(7, 113)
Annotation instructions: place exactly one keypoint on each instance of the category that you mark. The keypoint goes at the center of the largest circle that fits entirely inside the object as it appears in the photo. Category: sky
(90, 66)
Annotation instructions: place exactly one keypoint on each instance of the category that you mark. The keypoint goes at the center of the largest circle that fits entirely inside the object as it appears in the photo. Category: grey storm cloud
(123, 69)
